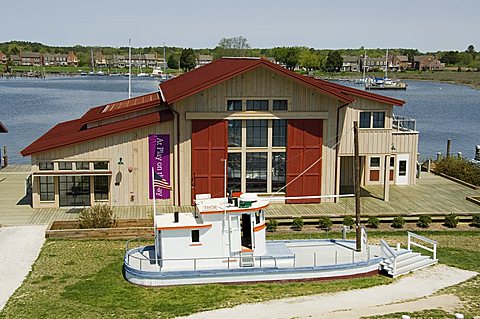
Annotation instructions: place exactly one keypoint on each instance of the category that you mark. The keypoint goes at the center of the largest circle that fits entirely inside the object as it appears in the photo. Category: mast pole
(364, 64)
(129, 68)
(164, 60)
(358, 234)
(386, 64)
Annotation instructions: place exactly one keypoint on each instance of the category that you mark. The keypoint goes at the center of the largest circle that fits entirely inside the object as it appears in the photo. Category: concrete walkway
(399, 296)
(19, 248)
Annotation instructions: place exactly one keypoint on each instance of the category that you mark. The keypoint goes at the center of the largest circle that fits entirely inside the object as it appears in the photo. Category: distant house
(150, 60)
(55, 59)
(373, 63)
(31, 58)
(204, 59)
(401, 62)
(427, 62)
(3, 58)
(350, 64)
(100, 60)
(15, 59)
(72, 59)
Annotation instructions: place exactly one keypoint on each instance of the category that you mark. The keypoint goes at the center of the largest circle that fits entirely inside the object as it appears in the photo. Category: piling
(449, 144)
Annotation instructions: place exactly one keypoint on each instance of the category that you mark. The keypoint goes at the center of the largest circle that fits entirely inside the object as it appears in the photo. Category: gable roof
(72, 132)
(223, 69)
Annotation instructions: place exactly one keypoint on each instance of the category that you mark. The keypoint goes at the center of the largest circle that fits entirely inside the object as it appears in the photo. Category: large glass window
(45, 166)
(280, 105)
(257, 105)
(278, 171)
(47, 188)
(100, 187)
(234, 181)
(234, 105)
(378, 119)
(279, 133)
(256, 173)
(74, 190)
(235, 133)
(364, 119)
(257, 133)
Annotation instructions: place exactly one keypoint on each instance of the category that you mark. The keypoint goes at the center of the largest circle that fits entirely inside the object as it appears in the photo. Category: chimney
(175, 217)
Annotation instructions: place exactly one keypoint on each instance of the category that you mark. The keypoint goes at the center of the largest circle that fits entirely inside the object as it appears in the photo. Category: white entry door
(401, 169)
(235, 240)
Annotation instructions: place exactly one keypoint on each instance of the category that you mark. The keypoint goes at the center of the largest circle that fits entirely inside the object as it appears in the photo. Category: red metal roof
(223, 69)
(72, 132)
(3, 129)
(120, 107)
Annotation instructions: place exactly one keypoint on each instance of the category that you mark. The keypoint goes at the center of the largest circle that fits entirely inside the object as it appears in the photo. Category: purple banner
(159, 160)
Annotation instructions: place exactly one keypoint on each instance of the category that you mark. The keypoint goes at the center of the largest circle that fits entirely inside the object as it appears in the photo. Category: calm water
(29, 107)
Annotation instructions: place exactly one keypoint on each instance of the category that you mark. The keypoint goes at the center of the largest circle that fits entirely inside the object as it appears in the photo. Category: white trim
(161, 93)
(255, 115)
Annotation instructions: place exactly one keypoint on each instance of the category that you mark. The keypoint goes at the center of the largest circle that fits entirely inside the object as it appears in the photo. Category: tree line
(310, 59)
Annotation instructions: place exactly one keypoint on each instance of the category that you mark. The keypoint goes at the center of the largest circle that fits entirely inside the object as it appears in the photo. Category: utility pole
(358, 234)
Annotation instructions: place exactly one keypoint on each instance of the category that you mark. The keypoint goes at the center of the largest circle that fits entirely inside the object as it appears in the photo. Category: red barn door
(209, 148)
(304, 148)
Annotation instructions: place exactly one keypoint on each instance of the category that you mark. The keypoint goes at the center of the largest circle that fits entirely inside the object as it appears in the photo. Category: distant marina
(31, 106)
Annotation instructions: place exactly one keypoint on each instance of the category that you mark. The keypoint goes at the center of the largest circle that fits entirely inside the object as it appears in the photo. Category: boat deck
(284, 260)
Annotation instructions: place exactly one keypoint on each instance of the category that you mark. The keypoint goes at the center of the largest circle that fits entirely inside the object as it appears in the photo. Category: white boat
(100, 73)
(142, 75)
(157, 72)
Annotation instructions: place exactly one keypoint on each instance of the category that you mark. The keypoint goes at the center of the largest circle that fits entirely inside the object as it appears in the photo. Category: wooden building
(279, 132)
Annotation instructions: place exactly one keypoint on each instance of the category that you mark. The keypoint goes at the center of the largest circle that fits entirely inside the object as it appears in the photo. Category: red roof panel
(72, 132)
(223, 69)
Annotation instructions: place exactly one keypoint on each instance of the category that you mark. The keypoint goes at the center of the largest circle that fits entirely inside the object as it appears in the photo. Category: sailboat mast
(164, 60)
(364, 64)
(129, 68)
(386, 64)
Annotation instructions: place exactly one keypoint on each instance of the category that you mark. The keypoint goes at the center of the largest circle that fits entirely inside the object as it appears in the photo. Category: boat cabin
(219, 228)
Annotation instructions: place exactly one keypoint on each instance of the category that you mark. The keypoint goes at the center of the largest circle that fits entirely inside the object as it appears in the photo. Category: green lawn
(84, 278)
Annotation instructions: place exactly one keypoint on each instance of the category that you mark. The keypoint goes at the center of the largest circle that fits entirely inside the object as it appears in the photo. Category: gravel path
(399, 296)
(19, 248)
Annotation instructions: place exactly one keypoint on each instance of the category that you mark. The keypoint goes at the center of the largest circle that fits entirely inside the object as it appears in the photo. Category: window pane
(364, 120)
(378, 119)
(278, 171)
(45, 166)
(257, 105)
(392, 161)
(256, 174)
(402, 168)
(64, 165)
(47, 189)
(100, 165)
(234, 181)
(100, 187)
(280, 105)
(82, 165)
(375, 162)
(74, 190)
(257, 133)
(235, 133)
(234, 105)
(279, 132)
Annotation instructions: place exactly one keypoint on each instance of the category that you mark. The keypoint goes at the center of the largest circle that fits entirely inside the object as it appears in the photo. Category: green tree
(450, 57)
(172, 62)
(309, 59)
(287, 56)
(334, 61)
(188, 60)
(471, 50)
(236, 46)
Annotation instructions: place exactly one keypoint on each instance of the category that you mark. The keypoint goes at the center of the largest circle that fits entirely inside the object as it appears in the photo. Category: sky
(427, 25)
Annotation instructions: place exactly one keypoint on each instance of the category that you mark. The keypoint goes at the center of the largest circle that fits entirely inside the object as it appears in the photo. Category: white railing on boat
(410, 242)
(389, 254)
(135, 259)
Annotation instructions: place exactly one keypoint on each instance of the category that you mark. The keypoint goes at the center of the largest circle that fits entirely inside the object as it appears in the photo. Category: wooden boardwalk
(432, 195)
